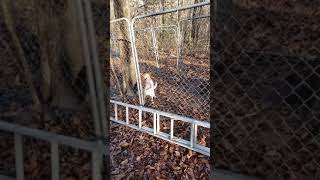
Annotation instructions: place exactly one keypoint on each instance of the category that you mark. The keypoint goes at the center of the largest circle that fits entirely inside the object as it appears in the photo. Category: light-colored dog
(149, 87)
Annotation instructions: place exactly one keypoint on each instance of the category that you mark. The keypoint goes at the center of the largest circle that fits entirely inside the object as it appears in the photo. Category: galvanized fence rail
(97, 149)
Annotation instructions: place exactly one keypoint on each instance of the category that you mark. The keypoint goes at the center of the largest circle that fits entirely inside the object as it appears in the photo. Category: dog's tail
(155, 86)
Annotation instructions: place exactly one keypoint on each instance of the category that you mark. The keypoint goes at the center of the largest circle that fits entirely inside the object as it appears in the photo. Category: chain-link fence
(156, 43)
(174, 50)
(171, 48)
(122, 63)
(266, 76)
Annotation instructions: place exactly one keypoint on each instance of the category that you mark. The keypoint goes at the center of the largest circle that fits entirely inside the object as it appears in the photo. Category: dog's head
(146, 76)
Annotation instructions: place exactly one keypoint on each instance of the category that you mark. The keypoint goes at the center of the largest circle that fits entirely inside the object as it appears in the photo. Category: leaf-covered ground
(137, 155)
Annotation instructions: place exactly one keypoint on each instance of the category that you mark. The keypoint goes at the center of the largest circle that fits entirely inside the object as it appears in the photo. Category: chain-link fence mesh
(33, 52)
(173, 48)
(266, 76)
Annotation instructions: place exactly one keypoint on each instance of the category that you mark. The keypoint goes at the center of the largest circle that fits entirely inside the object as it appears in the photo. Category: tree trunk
(61, 54)
(162, 9)
(63, 78)
(195, 25)
(122, 9)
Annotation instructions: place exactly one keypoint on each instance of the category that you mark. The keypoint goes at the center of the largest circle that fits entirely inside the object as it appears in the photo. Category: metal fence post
(96, 164)
(92, 91)
(136, 61)
(96, 67)
(18, 144)
(55, 168)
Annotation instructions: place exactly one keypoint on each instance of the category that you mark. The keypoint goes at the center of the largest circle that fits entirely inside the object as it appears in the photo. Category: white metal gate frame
(95, 148)
(137, 70)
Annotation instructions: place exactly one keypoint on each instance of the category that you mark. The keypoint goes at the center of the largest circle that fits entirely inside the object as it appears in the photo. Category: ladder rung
(171, 128)
(154, 123)
(158, 123)
(127, 115)
(116, 111)
(140, 119)
(195, 140)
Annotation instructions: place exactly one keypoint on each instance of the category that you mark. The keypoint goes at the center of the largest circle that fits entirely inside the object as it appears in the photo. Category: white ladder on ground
(155, 131)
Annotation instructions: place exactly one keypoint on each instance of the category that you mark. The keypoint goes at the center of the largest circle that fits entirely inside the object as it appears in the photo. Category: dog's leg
(144, 114)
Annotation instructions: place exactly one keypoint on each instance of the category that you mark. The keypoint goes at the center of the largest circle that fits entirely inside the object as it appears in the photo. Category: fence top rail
(170, 27)
(194, 18)
(51, 137)
(172, 10)
(120, 19)
(150, 29)
(170, 115)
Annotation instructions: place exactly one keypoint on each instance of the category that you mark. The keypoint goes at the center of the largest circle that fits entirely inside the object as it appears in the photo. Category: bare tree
(122, 9)
(63, 77)
(61, 52)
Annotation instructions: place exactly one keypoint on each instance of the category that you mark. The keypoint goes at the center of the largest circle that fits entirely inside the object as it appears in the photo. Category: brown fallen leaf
(160, 178)
(124, 162)
(116, 171)
(158, 168)
(203, 141)
(118, 177)
(138, 158)
(124, 144)
(177, 153)
(150, 167)
(171, 149)
(189, 155)
(176, 168)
